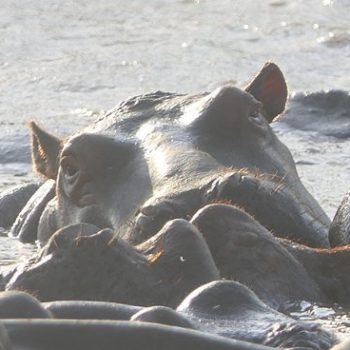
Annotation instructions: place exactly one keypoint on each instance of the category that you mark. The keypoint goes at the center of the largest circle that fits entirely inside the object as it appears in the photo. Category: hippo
(339, 231)
(12, 202)
(167, 193)
(234, 307)
(220, 241)
(161, 270)
(328, 113)
(17, 304)
(161, 156)
(221, 309)
(277, 270)
(43, 334)
(182, 267)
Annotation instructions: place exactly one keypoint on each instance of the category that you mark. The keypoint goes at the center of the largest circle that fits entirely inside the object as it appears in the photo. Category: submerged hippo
(222, 308)
(162, 156)
(220, 241)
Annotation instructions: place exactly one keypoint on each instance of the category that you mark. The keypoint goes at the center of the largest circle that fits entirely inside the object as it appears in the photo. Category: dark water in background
(65, 62)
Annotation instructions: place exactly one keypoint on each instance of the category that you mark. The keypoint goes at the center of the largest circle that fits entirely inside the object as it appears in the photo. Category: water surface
(63, 63)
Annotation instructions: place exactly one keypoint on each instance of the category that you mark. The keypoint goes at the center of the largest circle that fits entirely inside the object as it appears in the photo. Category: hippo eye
(254, 114)
(69, 166)
(255, 117)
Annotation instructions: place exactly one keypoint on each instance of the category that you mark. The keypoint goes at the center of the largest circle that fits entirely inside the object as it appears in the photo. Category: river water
(63, 63)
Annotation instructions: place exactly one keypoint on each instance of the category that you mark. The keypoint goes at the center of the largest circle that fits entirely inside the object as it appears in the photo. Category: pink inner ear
(270, 88)
(274, 89)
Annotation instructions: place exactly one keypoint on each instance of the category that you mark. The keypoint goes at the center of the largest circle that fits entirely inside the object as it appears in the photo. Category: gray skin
(28, 218)
(279, 271)
(232, 310)
(221, 308)
(221, 241)
(5, 343)
(93, 310)
(339, 232)
(108, 335)
(13, 200)
(328, 113)
(169, 265)
(236, 309)
(162, 270)
(16, 304)
(162, 156)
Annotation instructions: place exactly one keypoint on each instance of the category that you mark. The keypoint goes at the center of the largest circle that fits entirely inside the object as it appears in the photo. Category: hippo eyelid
(254, 114)
(69, 166)
(256, 119)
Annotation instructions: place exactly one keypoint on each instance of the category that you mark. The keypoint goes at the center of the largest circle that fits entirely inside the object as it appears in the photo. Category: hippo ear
(270, 88)
(46, 149)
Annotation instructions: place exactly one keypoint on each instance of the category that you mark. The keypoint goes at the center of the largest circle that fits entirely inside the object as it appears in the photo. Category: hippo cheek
(60, 213)
(75, 183)
(97, 181)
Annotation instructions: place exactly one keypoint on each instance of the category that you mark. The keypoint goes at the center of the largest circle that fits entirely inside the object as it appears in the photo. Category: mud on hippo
(168, 192)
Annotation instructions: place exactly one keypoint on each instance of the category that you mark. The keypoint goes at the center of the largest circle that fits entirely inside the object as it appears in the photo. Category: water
(63, 63)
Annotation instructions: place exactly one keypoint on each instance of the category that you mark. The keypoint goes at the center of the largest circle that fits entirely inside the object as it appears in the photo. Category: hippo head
(160, 156)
